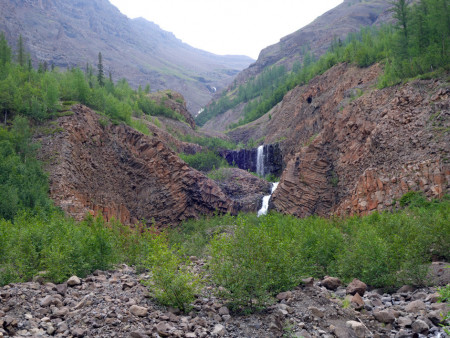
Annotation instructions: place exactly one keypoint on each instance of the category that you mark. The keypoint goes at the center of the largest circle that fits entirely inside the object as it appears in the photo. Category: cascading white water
(266, 199)
(260, 161)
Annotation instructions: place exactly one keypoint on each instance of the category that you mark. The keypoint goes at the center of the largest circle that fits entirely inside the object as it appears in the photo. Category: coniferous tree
(101, 74)
(5, 51)
(21, 57)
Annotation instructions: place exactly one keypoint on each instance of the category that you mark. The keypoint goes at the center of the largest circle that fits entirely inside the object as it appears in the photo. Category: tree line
(416, 44)
(38, 93)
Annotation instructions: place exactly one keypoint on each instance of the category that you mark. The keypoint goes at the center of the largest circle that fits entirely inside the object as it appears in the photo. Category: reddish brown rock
(351, 149)
(243, 188)
(174, 101)
(356, 286)
(331, 283)
(124, 174)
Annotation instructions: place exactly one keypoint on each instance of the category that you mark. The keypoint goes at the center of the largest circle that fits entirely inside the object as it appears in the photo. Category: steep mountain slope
(351, 148)
(348, 17)
(72, 33)
(314, 39)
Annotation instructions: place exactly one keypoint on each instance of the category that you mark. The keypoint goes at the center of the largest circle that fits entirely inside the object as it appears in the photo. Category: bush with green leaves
(204, 161)
(23, 183)
(444, 296)
(262, 256)
(61, 247)
(172, 283)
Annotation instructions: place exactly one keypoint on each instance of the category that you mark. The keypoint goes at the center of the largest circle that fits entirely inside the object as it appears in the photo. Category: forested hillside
(416, 44)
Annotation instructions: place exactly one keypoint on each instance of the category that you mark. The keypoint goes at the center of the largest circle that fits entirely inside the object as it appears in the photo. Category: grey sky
(228, 26)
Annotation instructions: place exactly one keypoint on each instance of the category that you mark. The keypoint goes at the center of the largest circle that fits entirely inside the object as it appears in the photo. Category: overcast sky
(241, 27)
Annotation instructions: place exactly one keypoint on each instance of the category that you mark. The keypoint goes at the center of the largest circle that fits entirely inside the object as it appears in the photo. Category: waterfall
(266, 199)
(260, 161)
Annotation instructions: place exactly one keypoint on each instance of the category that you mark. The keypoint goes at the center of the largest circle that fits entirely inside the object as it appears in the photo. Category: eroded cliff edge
(351, 148)
(96, 166)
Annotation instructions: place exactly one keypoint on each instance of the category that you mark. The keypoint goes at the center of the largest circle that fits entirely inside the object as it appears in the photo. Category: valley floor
(116, 304)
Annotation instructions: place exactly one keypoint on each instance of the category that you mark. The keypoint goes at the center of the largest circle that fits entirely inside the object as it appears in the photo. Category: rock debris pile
(116, 304)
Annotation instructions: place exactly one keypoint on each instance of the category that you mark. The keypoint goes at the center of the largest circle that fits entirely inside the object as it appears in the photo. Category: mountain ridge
(71, 34)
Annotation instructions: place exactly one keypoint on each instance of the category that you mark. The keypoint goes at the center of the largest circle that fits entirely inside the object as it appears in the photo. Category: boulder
(73, 281)
(415, 306)
(138, 311)
(419, 326)
(384, 317)
(331, 283)
(356, 286)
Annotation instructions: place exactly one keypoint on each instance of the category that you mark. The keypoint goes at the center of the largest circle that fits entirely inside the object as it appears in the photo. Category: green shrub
(58, 245)
(172, 283)
(204, 161)
(263, 256)
(139, 125)
(194, 235)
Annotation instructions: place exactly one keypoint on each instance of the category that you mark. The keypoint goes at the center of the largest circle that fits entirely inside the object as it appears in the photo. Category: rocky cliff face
(246, 159)
(243, 188)
(174, 101)
(98, 167)
(350, 148)
(71, 33)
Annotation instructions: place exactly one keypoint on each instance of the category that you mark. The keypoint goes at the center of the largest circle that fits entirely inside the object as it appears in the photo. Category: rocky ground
(115, 304)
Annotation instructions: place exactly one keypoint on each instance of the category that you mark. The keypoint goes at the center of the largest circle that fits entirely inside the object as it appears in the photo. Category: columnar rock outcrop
(246, 159)
(350, 148)
(122, 173)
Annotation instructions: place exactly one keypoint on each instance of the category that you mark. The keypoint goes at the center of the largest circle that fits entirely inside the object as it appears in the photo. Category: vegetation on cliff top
(37, 93)
(417, 44)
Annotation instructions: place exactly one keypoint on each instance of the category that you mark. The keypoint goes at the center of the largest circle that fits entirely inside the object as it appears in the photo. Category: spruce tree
(101, 74)
(21, 57)
(5, 51)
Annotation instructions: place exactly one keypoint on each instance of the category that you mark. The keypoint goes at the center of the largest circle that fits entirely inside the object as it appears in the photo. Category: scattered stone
(384, 316)
(356, 286)
(419, 326)
(73, 281)
(78, 332)
(164, 329)
(357, 300)
(308, 281)
(404, 321)
(406, 289)
(359, 328)
(415, 306)
(331, 283)
(316, 312)
(223, 311)
(403, 334)
(284, 295)
(138, 311)
(219, 330)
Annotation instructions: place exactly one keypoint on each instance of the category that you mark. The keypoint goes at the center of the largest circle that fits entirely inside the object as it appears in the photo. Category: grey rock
(404, 321)
(224, 311)
(384, 316)
(331, 283)
(138, 311)
(403, 334)
(415, 306)
(73, 281)
(164, 328)
(284, 295)
(359, 328)
(219, 330)
(419, 326)
(316, 312)
(78, 332)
